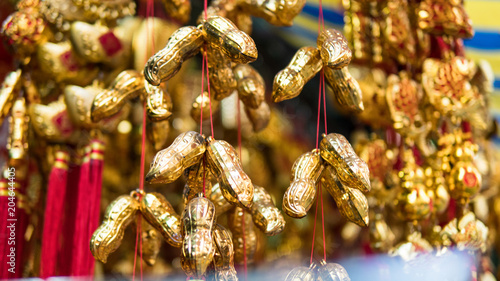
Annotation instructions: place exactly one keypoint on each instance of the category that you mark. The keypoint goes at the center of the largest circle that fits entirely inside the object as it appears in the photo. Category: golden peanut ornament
(169, 163)
(250, 85)
(198, 248)
(160, 214)
(224, 254)
(265, 215)
(107, 238)
(236, 218)
(333, 49)
(300, 195)
(151, 243)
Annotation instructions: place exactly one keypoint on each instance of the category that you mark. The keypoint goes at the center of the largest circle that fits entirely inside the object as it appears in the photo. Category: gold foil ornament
(8, 92)
(157, 133)
(289, 82)
(468, 234)
(107, 238)
(224, 254)
(151, 243)
(160, 214)
(351, 170)
(52, 122)
(236, 218)
(17, 143)
(464, 180)
(158, 102)
(186, 150)
(214, 193)
(351, 202)
(224, 162)
(300, 195)
(250, 85)
(381, 236)
(127, 85)
(345, 88)
(259, 117)
(444, 18)
(183, 44)
(222, 80)
(23, 31)
(203, 102)
(197, 176)
(221, 33)
(276, 12)
(198, 247)
(265, 215)
(333, 49)
(180, 10)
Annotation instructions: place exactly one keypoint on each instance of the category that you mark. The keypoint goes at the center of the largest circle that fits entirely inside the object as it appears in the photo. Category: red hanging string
(322, 221)
(319, 115)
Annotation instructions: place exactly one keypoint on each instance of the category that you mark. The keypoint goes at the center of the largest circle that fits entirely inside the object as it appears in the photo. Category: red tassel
(87, 208)
(54, 210)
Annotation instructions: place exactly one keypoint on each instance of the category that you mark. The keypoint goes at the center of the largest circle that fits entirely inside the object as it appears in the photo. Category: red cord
(319, 115)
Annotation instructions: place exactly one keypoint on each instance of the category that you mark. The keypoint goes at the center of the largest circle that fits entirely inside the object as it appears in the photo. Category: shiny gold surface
(351, 202)
(214, 193)
(235, 222)
(250, 85)
(17, 142)
(464, 180)
(266, 216)
(157, 133)
(221, 33)
(183, 44)
(180, 10)
(222, 80)
(300, 195)
(288, 83)
(160, 214)
(333, 49)
(224, 162)
(8, 92)
(107, 238)
(151, 243)
(351, 170)
(203, 102)
(276, 12)
(198, 247)
(224, 254)
(345, 88)
(52, 122)
(127, 85)
(259, 117)
(468, 234)
(444, 18)
(186, 150)
(197, 176)
(158, 102)
(381, 236)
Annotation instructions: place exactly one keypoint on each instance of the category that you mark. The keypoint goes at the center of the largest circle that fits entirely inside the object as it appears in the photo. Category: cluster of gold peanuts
(228, 51)
(160, 221)
(332, 55)
(216, 183)
(344, 175)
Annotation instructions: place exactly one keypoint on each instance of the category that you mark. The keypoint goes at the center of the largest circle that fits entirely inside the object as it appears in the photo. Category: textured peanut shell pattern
(222, 81)
(276, 12)
(151, 243)
(234, 43)
(259, 117)
(158, 102)
(161, 215)
(224, 162)
(224, 254)
(250, 85)
(333, 49)
(127, 85)
(289, 82)
(351, 202)
(351, 170)
(202, 102)
(265, 215)
(235, 221)
(108, 236)
(300, 195)
(186, 150)
(198, 247)
(183, 44)
(345, 88)
(301, 273)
